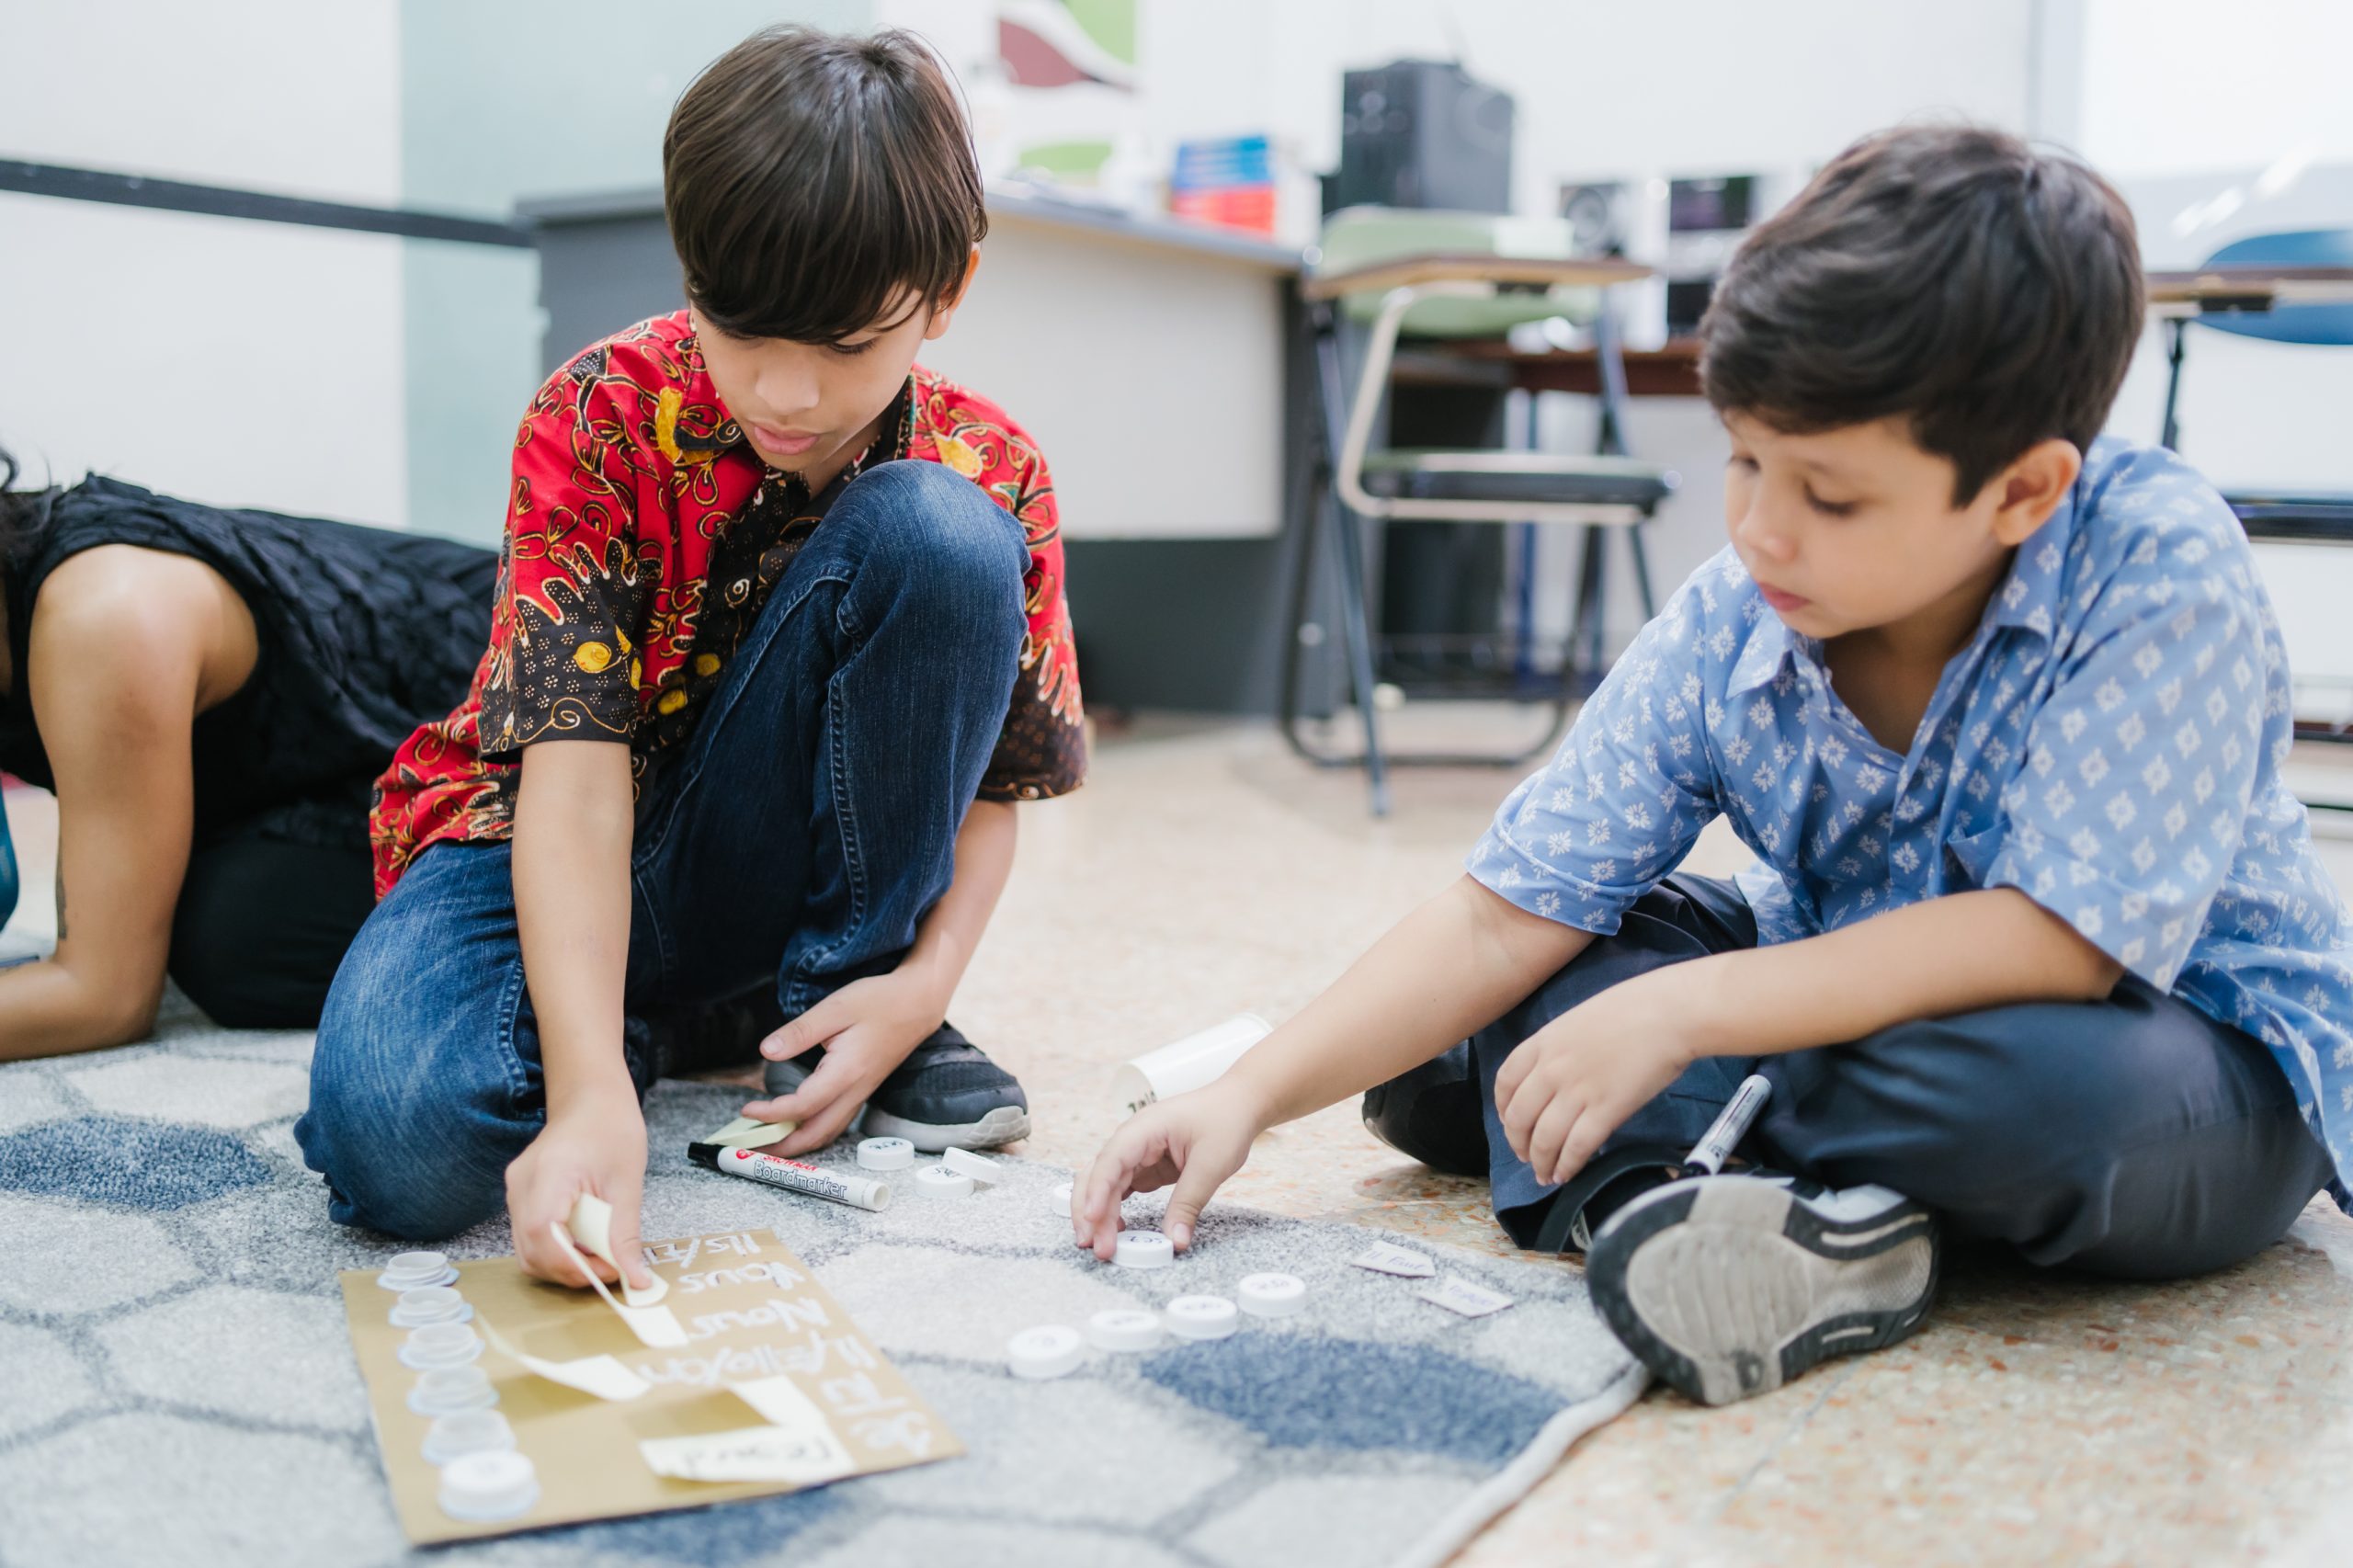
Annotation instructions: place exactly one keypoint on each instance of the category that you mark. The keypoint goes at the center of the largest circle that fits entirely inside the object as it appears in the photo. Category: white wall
(2170, 86)
(232, 361)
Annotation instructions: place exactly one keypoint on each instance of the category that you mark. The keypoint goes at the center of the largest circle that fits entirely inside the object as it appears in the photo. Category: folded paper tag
(1457, 1294)
(1388, 1257)
(602, 1376)
(744, 1133)
(781, 1403)
(750, 1453)
(592, 1227)
(655, 1326)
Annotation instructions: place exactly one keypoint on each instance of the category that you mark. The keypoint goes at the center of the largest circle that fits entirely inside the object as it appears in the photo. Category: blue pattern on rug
(127, 1165)
(1343, 1393)
(721, 1537)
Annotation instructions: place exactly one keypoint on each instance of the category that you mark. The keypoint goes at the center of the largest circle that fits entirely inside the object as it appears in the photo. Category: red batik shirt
(643, 536)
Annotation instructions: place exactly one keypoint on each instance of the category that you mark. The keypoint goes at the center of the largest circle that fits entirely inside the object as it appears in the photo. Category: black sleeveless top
(364, 634)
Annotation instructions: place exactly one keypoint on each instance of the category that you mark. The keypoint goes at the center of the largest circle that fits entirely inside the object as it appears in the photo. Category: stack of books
(1229, 182)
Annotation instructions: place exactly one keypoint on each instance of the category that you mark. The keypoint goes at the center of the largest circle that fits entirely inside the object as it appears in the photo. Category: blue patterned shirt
(2110, 743)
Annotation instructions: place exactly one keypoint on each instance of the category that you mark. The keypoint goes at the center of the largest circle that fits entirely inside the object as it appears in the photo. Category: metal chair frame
(1339, 502)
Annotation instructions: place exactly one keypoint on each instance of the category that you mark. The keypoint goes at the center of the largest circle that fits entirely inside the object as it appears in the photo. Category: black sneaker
(946, 1094)
(1729, 1286)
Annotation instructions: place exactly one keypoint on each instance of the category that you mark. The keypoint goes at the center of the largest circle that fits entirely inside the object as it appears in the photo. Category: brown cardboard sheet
(751, 1310)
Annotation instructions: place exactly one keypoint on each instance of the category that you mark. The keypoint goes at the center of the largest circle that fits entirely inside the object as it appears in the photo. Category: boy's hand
(867, 1028)
(1576, 1081)
(597, 1144)
(1196, 1140)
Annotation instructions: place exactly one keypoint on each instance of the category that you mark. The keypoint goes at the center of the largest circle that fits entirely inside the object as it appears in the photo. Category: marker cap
(415, 1270)
(964, 1162)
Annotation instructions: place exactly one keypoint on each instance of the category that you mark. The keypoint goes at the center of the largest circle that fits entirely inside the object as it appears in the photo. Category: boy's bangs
(820, 188)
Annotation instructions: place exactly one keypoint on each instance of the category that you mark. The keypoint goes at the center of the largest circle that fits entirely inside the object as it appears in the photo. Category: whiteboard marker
(793, 1176)
(1731, 1125)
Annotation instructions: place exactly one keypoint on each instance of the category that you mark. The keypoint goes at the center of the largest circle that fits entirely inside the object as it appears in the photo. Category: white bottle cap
(938, 1181)
(1046, 1352)
(445, 1391)
(979, 1167)
(1272, 1295)
(415, 1270)
(1202, 1317)
(434, 1303)
(440, 1344)
(486, 1487)
(1060, 1199)
(463, 1432)
(1124, 1329)
(1144, 1249)
(885, 1154)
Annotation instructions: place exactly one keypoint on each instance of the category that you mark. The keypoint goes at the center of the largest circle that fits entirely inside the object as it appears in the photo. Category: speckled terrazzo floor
(1204, 871)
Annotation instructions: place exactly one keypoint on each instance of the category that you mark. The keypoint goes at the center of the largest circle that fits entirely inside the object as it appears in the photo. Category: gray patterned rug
(179, 1383)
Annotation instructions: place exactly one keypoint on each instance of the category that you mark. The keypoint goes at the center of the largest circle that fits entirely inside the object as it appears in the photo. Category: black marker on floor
(1731, 1124)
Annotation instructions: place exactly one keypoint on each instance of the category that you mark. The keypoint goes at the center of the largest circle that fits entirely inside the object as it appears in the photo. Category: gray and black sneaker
(946, 1094)
(1727, 1286)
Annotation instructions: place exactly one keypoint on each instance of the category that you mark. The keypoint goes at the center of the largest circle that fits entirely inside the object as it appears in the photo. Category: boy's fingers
(1508, 1077)
(1519, 1111)
(821, 1129)
(816, 1026)
(1591, 1131)
(1551, 1130)
(1194, 1190)
(809, 1103)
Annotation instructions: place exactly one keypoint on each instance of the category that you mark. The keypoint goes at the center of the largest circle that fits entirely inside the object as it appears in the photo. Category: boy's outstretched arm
(1574, 1082)
(574, 824)
(869, 1026)
(1446, 971)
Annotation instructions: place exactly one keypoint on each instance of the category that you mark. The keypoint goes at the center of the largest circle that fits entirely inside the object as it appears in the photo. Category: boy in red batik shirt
(780, 640)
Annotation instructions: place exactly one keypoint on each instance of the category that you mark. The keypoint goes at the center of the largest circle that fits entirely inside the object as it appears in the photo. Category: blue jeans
(2134, 1137)
(789, 846)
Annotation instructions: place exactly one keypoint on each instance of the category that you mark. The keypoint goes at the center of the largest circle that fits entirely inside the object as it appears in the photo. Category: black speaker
(1423, 133)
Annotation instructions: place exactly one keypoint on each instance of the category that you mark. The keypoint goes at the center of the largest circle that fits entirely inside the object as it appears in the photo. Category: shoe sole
(1001, 1126)
(1731, 1288)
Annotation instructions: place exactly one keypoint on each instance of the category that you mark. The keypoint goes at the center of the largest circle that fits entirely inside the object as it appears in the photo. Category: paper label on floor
(1388, 1257)
(592, 1227)
(803, 1457)
(744, 1133)
(1457, 1294)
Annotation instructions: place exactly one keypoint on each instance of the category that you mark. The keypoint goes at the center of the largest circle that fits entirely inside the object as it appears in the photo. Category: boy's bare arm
(1446, 971)
(574, 825)
(1576, 1080)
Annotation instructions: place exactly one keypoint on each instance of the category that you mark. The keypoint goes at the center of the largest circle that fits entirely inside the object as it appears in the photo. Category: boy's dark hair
(23, 514)
(809, 179)
(1989, 292)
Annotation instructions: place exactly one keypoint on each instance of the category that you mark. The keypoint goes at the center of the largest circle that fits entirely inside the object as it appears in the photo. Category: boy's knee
(408, 1132)
(941, 537)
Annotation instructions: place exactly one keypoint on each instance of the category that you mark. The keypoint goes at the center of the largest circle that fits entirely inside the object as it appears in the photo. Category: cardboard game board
(774, 1379)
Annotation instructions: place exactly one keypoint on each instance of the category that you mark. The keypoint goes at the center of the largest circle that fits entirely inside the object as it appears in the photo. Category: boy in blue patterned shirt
(2035, 947)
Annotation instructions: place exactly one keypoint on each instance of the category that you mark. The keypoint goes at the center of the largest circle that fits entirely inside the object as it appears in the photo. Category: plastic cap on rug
(938, 1181)
(1202, 1317)
(1272, 1295)
(1144, 1249)
(979, 1167)
(1124, 1329)
(488, 1486)
(1049, 1351)
(885, 1154)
